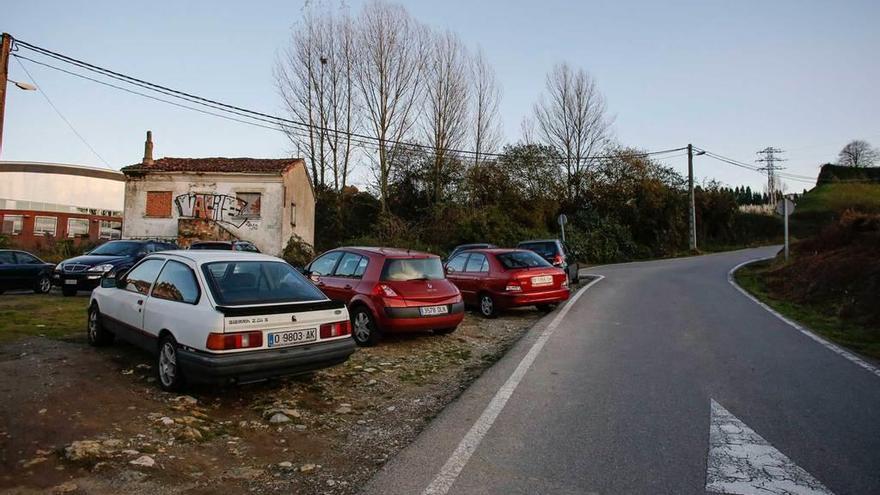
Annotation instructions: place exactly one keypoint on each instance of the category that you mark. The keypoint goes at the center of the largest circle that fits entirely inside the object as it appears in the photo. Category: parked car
(85, 272)
(463, 247)
(225, 246)
(21, 270)
(555, 252)
(388, 290)
(497, 279)
(221, 318)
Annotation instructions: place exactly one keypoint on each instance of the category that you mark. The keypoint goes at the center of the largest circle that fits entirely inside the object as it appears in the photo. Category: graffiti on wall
(220, 208)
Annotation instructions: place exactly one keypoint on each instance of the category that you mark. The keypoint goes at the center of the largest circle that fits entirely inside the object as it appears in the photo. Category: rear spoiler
(279, 308)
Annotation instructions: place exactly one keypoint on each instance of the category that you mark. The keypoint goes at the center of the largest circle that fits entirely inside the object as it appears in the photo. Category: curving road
(661, 378)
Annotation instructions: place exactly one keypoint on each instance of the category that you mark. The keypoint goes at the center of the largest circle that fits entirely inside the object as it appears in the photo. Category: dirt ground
(74, 419)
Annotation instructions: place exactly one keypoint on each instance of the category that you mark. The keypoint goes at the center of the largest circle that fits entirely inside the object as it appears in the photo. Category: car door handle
(140, 302)
(347, 286)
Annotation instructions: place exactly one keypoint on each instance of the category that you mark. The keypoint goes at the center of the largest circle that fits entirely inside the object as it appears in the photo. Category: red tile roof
(234, 165)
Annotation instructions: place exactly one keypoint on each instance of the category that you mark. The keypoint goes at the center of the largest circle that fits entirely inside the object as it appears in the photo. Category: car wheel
(487, 306)
(546, 308)
(444, 331)
(363, 328)
(43, 285)
(96, 333)
(67, 291)
(170, 376)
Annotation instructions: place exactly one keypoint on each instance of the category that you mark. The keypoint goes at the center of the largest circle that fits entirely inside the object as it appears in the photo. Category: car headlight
(101, 268)
(58, 268)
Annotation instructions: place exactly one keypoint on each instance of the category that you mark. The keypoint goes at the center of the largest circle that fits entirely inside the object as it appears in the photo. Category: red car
(388, 290)
(496, 279)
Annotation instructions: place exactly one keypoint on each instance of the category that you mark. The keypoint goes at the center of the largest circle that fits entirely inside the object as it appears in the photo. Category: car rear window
(211, 245)
(548, 248)
(399, 270)
(522, 259)
(257, 282)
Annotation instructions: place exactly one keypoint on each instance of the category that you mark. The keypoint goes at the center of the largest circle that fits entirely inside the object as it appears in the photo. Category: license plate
(541, 281)
(292, 337)
(70, 281)
(433, 310)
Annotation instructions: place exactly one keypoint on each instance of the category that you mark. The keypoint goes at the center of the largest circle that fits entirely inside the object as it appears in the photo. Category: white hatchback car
(217, 317)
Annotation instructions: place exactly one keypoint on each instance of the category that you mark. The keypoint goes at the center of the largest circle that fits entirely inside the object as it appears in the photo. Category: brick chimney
(148, 149)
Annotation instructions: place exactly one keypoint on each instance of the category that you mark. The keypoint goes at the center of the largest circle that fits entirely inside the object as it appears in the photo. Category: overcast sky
(730, 77)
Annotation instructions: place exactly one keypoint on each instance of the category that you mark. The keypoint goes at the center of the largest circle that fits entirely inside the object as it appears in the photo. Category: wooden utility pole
(5, 46)
(692, 210)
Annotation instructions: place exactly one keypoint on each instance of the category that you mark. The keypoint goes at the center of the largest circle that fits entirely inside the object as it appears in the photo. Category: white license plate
(433, 310)
(292, 337)
(541, 281)
(70, 281)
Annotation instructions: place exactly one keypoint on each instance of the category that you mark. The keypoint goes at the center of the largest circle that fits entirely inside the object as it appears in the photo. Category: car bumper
(245, 367)
(507, 300)
(409, 319)
(83, 281)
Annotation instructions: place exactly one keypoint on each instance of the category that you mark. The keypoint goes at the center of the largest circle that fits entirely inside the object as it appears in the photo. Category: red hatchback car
(495, 279)
(388, 290)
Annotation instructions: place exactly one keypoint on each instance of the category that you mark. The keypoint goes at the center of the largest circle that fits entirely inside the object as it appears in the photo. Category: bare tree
(315, 78)
(572, 118)
(446, 104)
(388, 71)
(527, 130)
(858, 153)
(486, 98)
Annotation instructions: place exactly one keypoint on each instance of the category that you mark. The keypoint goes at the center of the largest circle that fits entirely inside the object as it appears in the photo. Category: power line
(42, 91)
(286, 124)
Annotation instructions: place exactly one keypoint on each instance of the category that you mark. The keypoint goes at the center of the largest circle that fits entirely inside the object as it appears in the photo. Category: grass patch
(838, 197)
(864, 340)
(44, 315)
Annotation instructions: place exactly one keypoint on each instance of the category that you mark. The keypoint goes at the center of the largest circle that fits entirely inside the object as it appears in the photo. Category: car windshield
(545, 249)
(400, 270)
(258, 282)
(118, 248)
(522, 259)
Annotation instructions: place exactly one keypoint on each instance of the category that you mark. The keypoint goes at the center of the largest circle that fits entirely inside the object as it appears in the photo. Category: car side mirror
(449, 270)
(119, 279)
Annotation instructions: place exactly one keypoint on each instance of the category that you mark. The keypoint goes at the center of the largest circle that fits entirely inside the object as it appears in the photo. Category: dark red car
(388, 290)
(496, 279)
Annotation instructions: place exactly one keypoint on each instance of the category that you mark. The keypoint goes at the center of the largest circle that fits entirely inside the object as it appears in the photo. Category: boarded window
(77, 227)
(158, 204)
(45, 225)
(12, 224)
(252, 208)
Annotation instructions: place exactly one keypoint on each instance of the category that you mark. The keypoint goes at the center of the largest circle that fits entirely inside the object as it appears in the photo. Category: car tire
(67, 291)
(444, 331)
(363, 328)
(43, 285)
(96, 334)
(546, 308)
(487, 306)
(168, 371)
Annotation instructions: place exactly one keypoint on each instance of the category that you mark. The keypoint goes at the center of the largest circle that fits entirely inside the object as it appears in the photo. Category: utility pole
(692, 209)
(5, 46)
(770, 166)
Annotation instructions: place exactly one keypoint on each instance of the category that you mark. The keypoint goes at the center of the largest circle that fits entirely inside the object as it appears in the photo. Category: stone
(292, 413)
(391, 408)
(307, 468)
(66, 487)
(165, 420)
(285, 465)
(279, 418)
(191, 434)
(331, 482)
(33, 462)
(112, 443)
(84, 450)
(144, 461)
(343, 409)
(186, 400)
(300, 427)
(130, 452)
(369, 370)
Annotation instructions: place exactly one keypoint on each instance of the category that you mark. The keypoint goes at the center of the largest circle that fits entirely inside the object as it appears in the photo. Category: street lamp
(23, 85)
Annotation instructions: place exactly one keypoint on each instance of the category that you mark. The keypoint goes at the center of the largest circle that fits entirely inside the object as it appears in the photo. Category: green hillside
(824, 204)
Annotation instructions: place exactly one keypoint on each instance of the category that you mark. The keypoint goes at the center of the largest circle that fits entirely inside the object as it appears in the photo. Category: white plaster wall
(265, 232)
(84, 192)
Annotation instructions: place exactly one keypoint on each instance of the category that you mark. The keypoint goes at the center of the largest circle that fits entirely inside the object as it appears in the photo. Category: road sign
(562, 219)
(783, 205)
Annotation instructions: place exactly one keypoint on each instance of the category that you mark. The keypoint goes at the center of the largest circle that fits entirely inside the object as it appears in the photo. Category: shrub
(298, 252)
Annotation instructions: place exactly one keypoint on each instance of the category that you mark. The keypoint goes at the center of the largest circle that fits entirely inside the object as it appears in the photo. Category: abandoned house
(263, 201)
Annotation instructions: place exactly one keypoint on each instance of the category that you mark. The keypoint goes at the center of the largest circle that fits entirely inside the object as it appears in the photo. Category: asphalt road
(619, 399)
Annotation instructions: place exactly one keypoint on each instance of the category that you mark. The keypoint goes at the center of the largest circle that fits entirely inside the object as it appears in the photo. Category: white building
(263, 201)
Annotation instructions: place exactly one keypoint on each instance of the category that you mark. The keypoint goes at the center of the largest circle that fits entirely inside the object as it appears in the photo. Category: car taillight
(384, 290)
(226, 341)
(557, 260)
(337, 329)
(565, 283)
(513, 288)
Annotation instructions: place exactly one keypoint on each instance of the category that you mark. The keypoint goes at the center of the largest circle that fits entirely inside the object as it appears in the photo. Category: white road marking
(832, 347)
(741, 462)
(468, 445)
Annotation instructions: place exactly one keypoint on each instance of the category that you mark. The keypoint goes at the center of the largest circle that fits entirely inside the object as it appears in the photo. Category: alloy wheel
(93, 325)
(362, 327)
(487, 306)
(45, 285)
(167, 364)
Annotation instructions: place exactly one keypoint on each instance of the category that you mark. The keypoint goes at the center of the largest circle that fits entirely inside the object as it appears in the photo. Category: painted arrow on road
(741, 462)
